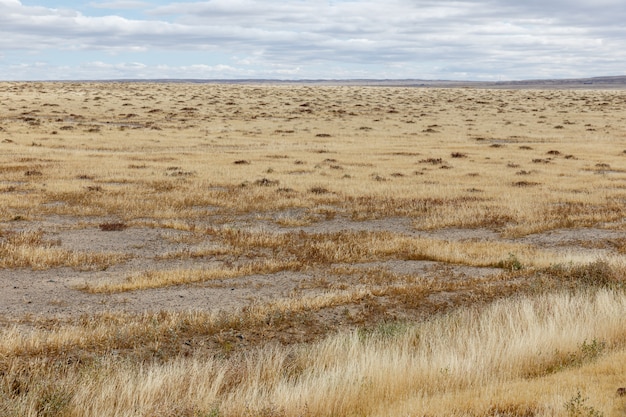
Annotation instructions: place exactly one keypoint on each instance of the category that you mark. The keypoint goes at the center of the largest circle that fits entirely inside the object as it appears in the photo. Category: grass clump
(511, 263)
(598, 273)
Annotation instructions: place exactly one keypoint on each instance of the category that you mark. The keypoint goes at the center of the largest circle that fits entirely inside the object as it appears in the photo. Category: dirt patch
(591, 242)
(456, 234)
(54, 292)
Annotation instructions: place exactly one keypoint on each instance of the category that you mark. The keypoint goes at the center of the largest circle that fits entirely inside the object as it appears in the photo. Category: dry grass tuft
(112, 227)
(30, 250)
(164, 278)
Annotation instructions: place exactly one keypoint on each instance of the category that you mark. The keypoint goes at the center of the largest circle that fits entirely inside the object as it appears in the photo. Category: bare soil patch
(56, 291)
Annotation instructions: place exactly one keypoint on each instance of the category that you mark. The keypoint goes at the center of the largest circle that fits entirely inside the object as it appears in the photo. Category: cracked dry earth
(56, 292)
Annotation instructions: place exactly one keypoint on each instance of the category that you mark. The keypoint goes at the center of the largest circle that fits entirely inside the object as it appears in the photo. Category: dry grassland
(242, 250)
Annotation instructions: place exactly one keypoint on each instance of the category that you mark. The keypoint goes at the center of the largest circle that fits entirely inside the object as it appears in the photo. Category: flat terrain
(284, 214)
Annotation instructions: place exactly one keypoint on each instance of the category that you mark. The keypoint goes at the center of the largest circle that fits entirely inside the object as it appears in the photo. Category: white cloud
(120, 4)
(400, 38)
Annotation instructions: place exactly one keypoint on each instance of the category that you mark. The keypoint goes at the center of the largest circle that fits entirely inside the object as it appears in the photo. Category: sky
(312, 39)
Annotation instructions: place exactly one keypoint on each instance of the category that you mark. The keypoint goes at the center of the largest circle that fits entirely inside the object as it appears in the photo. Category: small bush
(112, 227)
(577, 407)
(524, 184)
(264, 182)
(433, 161)
(598, 273)
(318, 190)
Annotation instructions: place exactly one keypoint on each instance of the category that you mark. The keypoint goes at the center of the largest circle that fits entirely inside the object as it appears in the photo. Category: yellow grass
(355, 247)
(531, 354)
(158, 279)
(28, 249)
(302, 251)
(362, 152)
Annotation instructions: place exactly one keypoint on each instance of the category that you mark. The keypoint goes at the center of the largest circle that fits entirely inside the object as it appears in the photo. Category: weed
(432, 161)
(586, 353)
(591, 351)
(512, 410)
(511, 263)
(214, 412)
(384, 330)
(577, 407)
(319, 190)
(525, 184)
(53, 401)
(264, 182)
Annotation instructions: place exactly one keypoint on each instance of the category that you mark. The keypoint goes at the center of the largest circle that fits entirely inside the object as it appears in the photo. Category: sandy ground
(54, 292)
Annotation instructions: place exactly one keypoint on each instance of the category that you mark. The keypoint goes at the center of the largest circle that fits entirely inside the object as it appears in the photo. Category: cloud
(120, 4)
(136, 70)
(398, 38)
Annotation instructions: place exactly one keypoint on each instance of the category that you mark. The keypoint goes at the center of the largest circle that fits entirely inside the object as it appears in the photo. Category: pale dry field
(228, 250)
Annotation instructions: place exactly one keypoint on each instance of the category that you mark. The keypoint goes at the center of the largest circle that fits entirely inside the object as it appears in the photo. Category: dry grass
(303, 251)
(31, 250)
(263, 155)
(311, 249)
(452, 252)
(450, 365)
(164, 278)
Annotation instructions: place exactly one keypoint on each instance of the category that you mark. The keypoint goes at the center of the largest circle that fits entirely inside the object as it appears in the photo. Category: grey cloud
(471, 36)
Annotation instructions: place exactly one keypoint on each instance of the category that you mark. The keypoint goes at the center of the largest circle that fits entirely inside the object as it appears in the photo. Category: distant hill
(609, 82)
(595, 82)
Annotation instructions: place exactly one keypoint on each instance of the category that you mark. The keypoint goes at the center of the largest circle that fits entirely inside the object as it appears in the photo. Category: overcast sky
(312, 39)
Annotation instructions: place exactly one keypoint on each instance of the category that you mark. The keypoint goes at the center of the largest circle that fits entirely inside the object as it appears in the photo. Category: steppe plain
(294, 250)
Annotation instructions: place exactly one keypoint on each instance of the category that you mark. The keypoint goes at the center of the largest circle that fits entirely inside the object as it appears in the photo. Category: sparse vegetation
(231, 250)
